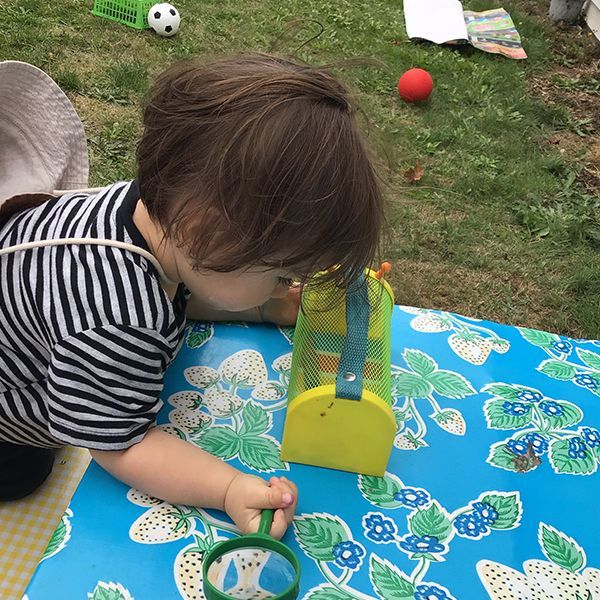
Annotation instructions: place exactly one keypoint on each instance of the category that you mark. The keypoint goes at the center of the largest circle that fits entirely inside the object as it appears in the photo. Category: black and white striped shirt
(86, 332)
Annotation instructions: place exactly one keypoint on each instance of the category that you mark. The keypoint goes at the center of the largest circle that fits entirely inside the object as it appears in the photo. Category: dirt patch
(574, 83)
(483, 294)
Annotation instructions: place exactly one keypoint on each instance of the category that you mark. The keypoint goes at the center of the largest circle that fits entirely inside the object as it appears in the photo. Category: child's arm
(281, 311)
(178, 472)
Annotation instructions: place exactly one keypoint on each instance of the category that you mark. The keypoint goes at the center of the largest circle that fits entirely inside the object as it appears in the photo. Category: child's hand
(282, 311)
(247, 495)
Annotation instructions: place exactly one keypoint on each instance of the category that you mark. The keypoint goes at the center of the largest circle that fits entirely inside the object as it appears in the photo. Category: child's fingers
(287, 486)
(280, 524)
(270, 496)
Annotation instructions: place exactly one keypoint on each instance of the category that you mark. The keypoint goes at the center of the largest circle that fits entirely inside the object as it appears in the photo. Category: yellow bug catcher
(339, 412)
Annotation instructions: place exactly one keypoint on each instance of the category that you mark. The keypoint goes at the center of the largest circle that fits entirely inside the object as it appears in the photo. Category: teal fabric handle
(349, 381)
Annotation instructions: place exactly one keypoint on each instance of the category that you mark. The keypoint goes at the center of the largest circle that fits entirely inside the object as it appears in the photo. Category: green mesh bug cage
(339, 399)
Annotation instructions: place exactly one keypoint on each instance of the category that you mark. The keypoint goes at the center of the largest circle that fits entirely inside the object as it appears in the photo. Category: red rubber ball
(415, 85)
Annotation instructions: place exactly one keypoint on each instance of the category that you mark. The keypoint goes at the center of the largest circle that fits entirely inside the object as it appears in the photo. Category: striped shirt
(86, 332)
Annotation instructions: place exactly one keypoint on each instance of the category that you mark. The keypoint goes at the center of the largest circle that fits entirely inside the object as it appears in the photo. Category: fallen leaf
(414, 173)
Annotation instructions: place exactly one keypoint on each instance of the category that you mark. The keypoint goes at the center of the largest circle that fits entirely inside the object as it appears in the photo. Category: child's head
(256, 161)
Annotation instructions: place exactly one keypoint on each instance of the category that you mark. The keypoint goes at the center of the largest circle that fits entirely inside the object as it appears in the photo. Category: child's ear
(21, 202)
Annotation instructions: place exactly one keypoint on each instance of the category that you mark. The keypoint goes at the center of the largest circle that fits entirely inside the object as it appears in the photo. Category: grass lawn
(504, 224)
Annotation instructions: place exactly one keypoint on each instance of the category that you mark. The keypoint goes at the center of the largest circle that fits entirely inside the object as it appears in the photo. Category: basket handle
(349, 381)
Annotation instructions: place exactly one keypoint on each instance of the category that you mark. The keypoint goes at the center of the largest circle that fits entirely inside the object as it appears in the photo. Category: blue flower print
(486, 512)
(430, 592)
(591, 436)
(412, 497)
(563, 347)
(551, 408)
(529, 396)
(538, 442)
(348, 554)
(586, 381)
(518, 447)
(422, 544)
(517, 409)
(379, 529)
(577, 448)
(471, 525)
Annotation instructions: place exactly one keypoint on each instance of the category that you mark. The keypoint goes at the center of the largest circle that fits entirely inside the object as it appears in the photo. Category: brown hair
(256, 160)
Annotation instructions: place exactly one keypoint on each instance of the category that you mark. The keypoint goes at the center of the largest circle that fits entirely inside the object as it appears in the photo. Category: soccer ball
(164, 19)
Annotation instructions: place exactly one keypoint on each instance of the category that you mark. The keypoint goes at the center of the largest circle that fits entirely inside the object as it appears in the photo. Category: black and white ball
(164, 19)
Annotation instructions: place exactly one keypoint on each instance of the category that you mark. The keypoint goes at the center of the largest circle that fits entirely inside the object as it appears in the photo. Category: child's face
(238, 290)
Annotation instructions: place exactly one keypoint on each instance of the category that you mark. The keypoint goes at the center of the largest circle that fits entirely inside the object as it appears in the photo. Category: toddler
(251, 175)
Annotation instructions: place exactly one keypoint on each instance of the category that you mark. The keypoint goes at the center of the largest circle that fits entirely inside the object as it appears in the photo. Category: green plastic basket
(129, 12)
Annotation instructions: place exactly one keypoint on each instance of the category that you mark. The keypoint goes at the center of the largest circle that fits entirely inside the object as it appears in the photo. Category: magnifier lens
(248, 573)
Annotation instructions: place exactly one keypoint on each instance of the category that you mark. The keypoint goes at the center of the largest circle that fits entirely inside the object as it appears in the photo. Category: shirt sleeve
(104, 386)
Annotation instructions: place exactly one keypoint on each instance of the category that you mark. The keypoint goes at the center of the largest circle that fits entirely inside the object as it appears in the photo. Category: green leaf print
(570, 415)
(419, 362)
(539, 338)
(380, 490)
(449, 384)
(109, 591)
(583, 463)
(287, 333)
(405, 383)
(557, 369)
(389, 582)
(318, 534)
(199, 333)
(501, 456)
(60, 536)
(561, 549)
(502, 390)
(221, 441)
(499, 417)
(509, 509)
(260, 453)
(431, 521)
(327, 592)
(591, 359)
(256, 420)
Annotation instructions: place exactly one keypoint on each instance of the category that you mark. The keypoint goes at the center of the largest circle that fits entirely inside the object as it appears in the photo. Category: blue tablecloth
(491, 490)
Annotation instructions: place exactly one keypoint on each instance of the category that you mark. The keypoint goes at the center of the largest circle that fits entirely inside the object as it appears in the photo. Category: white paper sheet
(438, 21)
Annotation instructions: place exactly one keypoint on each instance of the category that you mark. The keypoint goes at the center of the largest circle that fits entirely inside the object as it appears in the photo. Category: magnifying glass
(253, 566)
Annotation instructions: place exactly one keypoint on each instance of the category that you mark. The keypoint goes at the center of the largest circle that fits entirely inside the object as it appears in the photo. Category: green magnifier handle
(266, 520)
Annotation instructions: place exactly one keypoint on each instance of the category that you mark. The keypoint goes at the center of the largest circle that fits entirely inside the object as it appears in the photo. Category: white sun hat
(42, 142)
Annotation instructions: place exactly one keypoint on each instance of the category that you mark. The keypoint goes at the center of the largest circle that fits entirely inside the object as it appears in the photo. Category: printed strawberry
(141, 498)
(269, 391)
(245, 368)
(221, 403)
(160, 524)
(502, 582)
(201, 377)
(430, 323)
(188, 574)
(500, 346)
(283, 364)
(411, 310)
(471, 347)
(407, 441)
(188, 400)
(172, 430)
(556, 581)
(592, 580)
(451, 420)
(192, 421)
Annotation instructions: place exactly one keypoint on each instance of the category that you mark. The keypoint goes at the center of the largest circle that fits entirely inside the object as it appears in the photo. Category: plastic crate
(129, 12)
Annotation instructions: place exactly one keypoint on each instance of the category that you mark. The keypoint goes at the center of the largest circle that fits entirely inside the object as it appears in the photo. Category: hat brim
(42, 141)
